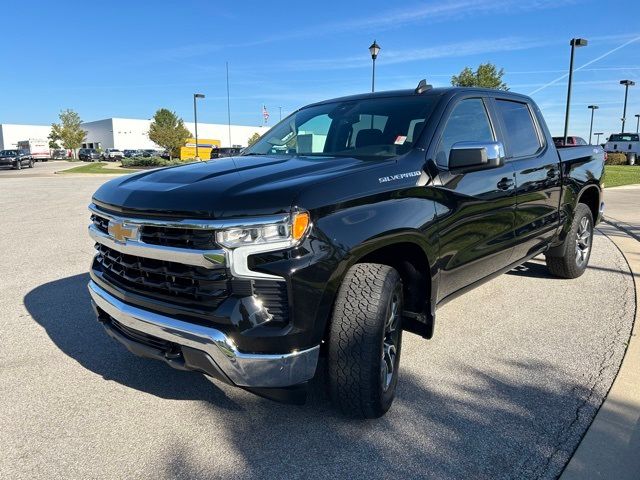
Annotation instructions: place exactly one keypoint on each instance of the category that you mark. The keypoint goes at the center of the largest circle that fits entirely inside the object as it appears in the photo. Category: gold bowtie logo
(121, 233)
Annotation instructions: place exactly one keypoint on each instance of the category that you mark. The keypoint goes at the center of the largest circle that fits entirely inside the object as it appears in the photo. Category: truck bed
(579, 153)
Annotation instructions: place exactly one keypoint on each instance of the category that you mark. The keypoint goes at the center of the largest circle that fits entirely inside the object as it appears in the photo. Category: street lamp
(195, 118)
(597, 134)
(637, 115)
(575, 42)
(627, 84)
(374, 49)
(593, 109)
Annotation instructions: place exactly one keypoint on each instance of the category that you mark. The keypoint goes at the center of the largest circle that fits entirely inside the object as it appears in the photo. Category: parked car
(330, 237)
(133, 153)
(59, 154)
(225, 152)
(17, 158)
(572, 141)
(112, 154)
(150, 152)
(89, 154)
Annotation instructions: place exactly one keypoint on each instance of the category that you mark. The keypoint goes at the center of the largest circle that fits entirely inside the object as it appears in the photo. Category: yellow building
(204, 148)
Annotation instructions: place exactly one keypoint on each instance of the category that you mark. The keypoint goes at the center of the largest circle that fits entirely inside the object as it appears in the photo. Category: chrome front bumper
(242, 369)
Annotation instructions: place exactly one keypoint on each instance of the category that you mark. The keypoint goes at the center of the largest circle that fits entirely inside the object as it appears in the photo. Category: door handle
(505, 183)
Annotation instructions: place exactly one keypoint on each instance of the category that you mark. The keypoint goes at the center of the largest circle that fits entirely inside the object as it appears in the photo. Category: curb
(610, 449)
(625, 227)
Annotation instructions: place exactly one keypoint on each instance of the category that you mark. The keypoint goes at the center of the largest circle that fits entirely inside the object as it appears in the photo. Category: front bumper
(203, 348)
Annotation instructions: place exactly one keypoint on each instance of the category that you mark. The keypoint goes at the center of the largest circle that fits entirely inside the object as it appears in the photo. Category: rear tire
(365, 339)
(576, 249)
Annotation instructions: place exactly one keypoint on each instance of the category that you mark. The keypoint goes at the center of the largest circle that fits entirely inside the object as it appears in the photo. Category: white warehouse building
(127, 133)
(11, 134)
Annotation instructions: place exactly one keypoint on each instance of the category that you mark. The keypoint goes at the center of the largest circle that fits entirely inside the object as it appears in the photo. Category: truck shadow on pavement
(499, 427)
(63, 308)
(511, 420)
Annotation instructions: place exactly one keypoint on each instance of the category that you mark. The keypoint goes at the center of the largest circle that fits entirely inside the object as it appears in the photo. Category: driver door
(476, 213)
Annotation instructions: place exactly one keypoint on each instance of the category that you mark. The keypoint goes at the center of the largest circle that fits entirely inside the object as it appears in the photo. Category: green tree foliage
(68, 131)
(168, 131)
(486, 76)
(253, 139)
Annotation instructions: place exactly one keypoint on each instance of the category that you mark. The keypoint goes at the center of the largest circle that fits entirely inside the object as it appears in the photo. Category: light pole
(280, 113)
(597, 134)
(374, 49)
(195, 119)
(627, 84)
(593, 109)
(637, 115)
(575, 42)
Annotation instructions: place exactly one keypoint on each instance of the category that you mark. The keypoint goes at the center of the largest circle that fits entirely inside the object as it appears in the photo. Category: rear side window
(468, 122)
(522, 135)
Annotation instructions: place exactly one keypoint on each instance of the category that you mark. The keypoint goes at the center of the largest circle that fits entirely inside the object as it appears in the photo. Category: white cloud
(391, 57)
(422, 13)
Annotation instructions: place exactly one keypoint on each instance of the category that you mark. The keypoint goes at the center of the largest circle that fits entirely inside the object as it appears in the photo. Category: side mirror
(476, 155)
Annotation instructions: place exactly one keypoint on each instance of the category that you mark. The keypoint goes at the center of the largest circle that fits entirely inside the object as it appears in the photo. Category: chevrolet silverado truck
(350, 221)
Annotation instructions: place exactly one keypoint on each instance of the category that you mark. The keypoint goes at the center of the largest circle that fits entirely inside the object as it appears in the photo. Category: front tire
(365, 339)
(31, 163)
(19, 165)
(576, 249)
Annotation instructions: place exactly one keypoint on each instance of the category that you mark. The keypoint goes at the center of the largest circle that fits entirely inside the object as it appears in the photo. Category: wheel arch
(590, 196)
(415, 263)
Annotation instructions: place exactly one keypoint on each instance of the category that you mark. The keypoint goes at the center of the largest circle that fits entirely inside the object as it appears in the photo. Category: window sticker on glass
(400, 139)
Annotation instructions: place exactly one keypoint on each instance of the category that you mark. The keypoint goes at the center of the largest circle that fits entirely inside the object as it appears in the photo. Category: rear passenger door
(537, 168)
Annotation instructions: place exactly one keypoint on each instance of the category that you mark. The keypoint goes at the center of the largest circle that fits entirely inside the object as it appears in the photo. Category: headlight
(288, 232)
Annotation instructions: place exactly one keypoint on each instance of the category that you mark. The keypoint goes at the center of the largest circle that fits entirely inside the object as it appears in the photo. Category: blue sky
(126, 59)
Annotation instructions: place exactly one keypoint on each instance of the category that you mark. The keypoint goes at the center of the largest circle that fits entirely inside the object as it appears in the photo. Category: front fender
(344, 237)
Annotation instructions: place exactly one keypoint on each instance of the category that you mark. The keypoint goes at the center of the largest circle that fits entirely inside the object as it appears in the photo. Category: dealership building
(127, 133)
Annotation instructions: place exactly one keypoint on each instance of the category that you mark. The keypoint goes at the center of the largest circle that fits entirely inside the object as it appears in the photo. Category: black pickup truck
(348, 222)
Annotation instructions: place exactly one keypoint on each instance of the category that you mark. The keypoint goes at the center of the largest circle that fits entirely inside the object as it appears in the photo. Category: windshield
(625, 137)
(8, 153)
(375, 127)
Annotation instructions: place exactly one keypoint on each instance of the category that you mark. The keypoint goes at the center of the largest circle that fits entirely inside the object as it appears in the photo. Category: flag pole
(228, 105)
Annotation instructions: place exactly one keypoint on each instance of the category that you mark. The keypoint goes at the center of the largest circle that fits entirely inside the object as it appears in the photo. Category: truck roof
(440, 91)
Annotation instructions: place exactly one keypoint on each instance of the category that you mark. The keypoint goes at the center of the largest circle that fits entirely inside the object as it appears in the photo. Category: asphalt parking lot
(40, 169)
(506, 388)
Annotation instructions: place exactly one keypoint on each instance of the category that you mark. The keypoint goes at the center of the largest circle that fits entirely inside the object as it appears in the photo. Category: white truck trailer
(37, 148)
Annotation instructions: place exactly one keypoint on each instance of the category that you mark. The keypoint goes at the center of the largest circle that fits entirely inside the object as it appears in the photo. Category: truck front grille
(179, 237)
(100, 223)
(167, 281)
(193, 238)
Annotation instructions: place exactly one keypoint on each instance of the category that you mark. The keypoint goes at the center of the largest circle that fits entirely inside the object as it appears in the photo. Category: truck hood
(226, 187)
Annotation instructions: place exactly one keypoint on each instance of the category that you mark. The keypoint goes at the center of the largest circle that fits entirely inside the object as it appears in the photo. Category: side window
(522, 135)
(468, 122)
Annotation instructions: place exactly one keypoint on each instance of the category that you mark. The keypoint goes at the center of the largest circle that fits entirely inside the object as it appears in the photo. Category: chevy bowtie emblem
(121, 232)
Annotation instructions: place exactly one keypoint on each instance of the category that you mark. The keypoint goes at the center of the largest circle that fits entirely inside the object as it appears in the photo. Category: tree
(168, 131)
(486, 76)
(253, 139)
(68, 131)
